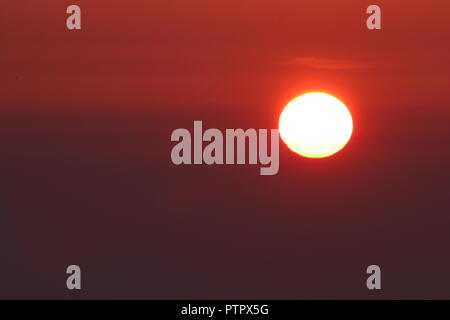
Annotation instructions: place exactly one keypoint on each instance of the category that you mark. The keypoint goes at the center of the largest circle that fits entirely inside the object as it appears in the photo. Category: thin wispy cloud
(328, 64)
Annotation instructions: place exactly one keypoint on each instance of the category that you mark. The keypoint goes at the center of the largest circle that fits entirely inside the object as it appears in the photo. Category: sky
(85, 124)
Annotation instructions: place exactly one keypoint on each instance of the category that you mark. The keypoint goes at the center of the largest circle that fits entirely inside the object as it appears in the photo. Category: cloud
(328, 64)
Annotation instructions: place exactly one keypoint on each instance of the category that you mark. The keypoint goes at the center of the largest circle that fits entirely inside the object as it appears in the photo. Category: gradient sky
(85, 123)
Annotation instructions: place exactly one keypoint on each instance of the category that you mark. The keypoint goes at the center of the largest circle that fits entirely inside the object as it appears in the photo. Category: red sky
(178, 54)
(85, 123)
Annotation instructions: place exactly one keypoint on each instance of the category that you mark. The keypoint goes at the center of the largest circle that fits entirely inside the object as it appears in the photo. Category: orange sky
(202, 54)
(85, 123)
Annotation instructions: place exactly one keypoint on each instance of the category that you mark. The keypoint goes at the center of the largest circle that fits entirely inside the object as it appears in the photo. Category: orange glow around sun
(315, 125)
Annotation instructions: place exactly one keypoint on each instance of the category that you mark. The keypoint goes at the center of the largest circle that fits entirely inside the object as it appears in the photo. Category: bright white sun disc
(315, 125)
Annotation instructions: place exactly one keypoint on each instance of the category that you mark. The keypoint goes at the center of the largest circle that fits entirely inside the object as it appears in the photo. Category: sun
(315, 125)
